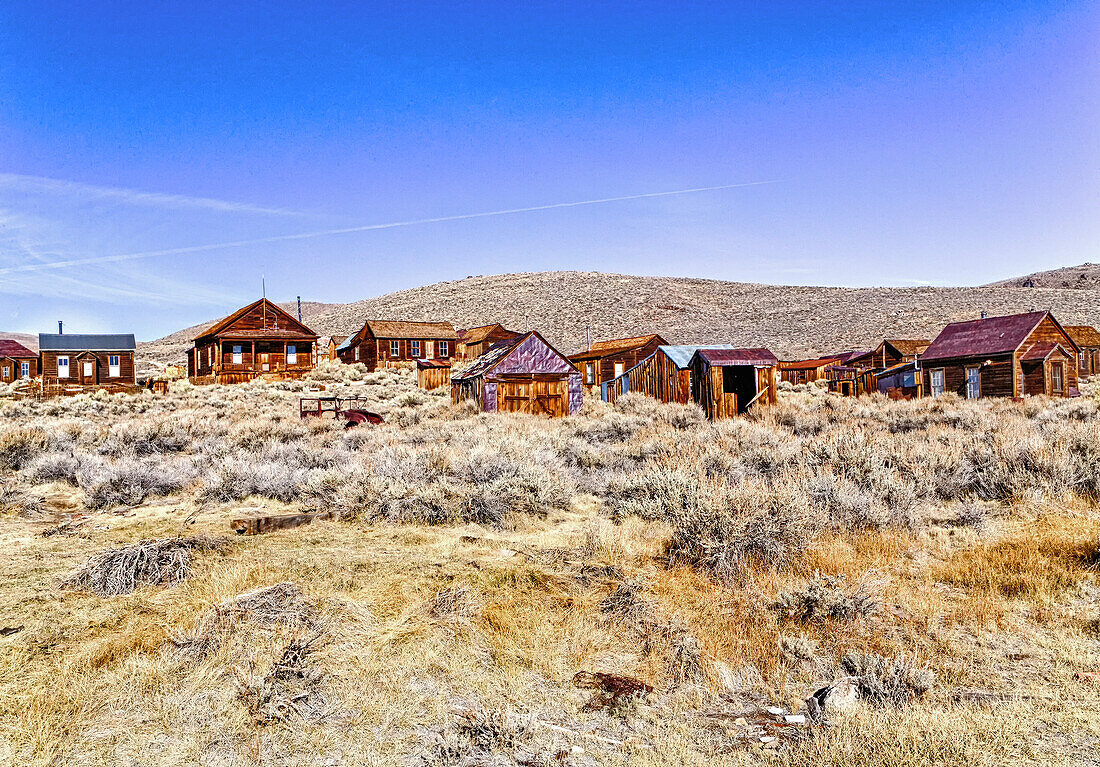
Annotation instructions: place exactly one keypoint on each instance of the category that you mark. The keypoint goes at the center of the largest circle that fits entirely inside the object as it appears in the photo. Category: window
(414, 348)
(444, 349)
(209, 355)
(62, 367)
(357, 353)
(7, 371)
(936, 378)
(25, 369)
(1056, 380)
(590, 372)
(973, 383)
(292, 355)
(238, 355)
(114, 368)
(395, 348)
(618, 369)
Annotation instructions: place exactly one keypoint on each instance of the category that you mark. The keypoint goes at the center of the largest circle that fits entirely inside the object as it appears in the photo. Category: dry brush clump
(165, 561)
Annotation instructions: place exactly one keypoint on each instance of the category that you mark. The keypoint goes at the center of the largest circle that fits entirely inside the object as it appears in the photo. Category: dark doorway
(740, 380)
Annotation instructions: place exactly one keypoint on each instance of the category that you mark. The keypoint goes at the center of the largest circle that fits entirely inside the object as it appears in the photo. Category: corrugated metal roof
(1083, 335)
(78, 342)
(758, 356)
(491, 357)
(10, 348)
(992, 335)
(681, 355)
(614, 346)
(433, 364)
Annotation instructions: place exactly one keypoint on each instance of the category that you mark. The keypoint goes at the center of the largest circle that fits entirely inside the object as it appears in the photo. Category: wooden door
(265, 361)
(546, 398)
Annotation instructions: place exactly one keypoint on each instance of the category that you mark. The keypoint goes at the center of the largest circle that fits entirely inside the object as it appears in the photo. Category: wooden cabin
(473, 342)
(892, 351)
(385, 343)
(806, 371)
(665, 375)
(524, 375)
(258, 340)
(606, 360)
(726, 382)
(334, 344)
(431, 374)
(17, 362)
(74, 362)
(1088, 339)
(1014, 356)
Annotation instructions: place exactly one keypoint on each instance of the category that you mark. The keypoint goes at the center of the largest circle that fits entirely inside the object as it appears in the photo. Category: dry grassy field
(479, 572)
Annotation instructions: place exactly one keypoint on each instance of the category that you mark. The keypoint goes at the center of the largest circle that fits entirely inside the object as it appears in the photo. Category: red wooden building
(606, 360)
(258, 340)
(16, 361)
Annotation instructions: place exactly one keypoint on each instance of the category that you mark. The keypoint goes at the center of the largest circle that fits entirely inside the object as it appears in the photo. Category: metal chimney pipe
(59, 330)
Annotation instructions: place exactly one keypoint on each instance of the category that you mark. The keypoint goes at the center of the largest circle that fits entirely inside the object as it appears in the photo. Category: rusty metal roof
(615, 346)
(809, 364)
(1083, 335)
(433, 364)
(992, 335)
(723, 357)
(491, 357)
(10, 348)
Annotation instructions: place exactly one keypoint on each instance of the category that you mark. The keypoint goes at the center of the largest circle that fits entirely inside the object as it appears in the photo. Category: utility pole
(299, 308)
(588, 333)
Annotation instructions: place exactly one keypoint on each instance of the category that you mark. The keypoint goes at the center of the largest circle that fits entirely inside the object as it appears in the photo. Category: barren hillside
(1081, 277)
(790, 320)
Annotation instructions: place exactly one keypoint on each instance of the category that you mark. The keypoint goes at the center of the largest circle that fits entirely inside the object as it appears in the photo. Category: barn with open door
(727, 382)
(521, 375)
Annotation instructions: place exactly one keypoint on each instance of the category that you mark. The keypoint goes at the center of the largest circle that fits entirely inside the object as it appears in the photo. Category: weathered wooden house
(16, 361)
(606, 360)
(1014, 356)
(431, 374)
(76, 361)
(726, 382)
(384, 343)
(524, 375)
(806, 371)
(892, 351)
(473, 342)
(258, 340)
(334, 344)
(1088, 339)
(665, 375)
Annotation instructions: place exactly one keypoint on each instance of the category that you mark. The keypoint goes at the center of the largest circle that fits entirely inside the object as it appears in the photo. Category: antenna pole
(299, 308)
(588, 332)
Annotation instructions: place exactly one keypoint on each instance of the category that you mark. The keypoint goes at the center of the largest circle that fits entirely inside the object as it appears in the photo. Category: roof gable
(529, 353)
(267, 317)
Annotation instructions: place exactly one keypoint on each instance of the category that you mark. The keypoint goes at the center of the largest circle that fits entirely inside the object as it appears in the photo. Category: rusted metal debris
(611, 690)
(266, 524)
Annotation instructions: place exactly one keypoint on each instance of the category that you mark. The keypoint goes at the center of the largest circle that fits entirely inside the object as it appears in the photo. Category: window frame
(932, 373)
(395, 348)
(973, 387)
(68, 367)
(444, 348)
(590, 372)
(237, 350)
(24, 370)
(292, 354)
(114, 368)
(1057, 377)
(414, 349)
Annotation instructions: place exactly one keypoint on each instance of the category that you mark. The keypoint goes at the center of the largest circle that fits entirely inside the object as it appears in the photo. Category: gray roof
(681, 355)
(81, 342)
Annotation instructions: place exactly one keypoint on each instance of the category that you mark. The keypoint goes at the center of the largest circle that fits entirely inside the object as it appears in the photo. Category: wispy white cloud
(73, 262)
(137, 197)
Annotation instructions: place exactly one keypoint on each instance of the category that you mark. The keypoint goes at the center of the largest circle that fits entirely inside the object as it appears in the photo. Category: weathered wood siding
(101, 370)
(432, 377)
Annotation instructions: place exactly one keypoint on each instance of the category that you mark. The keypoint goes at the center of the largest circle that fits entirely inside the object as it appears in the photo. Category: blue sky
(902, 143)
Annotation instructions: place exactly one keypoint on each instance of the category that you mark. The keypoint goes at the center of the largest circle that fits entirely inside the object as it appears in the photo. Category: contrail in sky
(349, 230)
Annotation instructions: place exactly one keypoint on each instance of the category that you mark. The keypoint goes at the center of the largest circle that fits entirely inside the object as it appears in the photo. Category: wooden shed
(1013, 356)
(665, 375)
(385, 343)
(892, 351)
(431, 374)
(805, 371)
(73, 362)
(524, 375)
(1088, 339)
(258, 340)
(16, 361)
(606, 360)
(726, 382)
(901, 381)
(473, 342)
